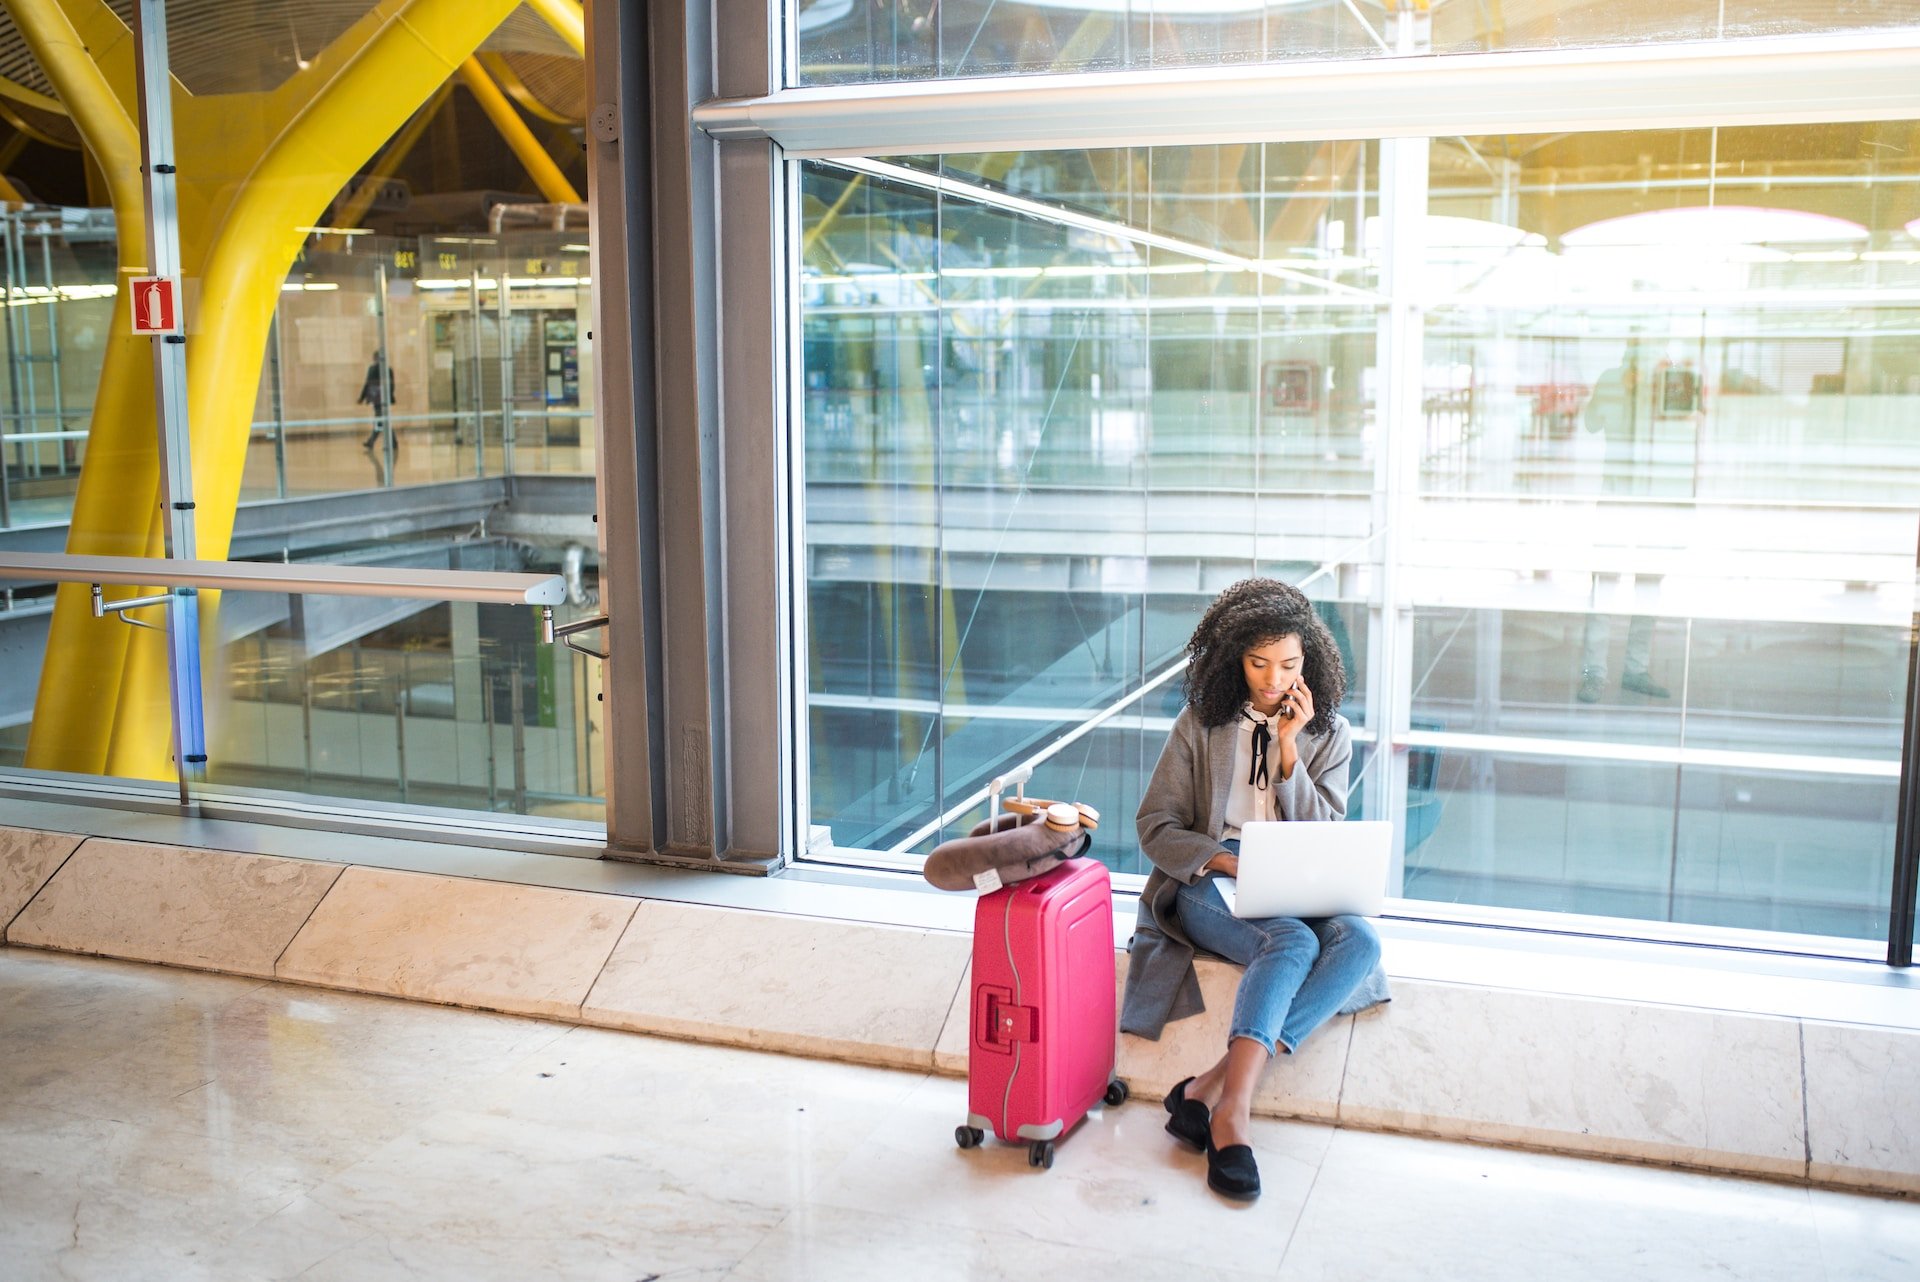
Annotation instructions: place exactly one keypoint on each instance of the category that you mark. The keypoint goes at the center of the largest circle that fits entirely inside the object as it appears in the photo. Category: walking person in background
(376, 391)
(1261, 738)
(1621, 409)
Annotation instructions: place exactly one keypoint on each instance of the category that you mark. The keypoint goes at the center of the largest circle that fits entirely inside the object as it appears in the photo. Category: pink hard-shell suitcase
(1041, 1049)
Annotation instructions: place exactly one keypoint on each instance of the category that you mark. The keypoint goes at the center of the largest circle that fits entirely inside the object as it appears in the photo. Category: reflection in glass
(1666, 512)
(479, 338)
(426, 704)
(1771, 850)
(57, 274)
(838, 42)
(1052, 403)
(364, 310)
(1654, 558)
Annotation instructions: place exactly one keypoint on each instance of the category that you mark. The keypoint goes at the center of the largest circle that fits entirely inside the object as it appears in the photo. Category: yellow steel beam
(10, 113)
(509, 80)
(826, 221)
(526, 148)
(19, 93)
(392, 158)
(79, 679)
(568, 19)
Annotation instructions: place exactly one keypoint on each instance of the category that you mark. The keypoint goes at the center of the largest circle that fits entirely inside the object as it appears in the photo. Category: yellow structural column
(413, 52)
(79, 679)
(526, 148)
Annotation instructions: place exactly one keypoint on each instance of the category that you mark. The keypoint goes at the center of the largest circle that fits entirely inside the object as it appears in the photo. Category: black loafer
(1231, 1171)
(1189, 1121)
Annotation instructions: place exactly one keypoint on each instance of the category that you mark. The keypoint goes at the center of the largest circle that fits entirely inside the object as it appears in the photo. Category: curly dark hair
(1248, 615)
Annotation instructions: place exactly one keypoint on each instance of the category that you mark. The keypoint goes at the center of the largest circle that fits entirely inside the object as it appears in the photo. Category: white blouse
(1246, 802)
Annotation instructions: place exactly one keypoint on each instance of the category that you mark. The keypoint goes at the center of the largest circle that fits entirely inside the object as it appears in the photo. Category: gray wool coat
(1180, 819)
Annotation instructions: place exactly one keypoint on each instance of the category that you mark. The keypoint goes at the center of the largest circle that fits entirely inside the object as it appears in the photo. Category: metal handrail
(1024, 770)
(274, 576)
(1080, 731)
(11, 438)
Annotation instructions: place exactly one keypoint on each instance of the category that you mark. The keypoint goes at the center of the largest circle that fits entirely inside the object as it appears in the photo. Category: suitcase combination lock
(1004, 1023)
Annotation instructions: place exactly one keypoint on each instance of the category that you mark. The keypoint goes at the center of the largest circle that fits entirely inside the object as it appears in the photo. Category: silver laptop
(1324, 869)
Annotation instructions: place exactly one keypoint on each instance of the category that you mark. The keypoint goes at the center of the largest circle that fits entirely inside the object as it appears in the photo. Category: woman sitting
(1260, 738)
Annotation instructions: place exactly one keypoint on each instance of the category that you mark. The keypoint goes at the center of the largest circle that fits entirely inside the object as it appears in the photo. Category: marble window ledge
(1795, 1098)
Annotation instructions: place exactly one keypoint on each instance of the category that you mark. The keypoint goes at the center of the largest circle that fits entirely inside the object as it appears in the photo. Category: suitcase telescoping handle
(1015, 779)
(1063, 816)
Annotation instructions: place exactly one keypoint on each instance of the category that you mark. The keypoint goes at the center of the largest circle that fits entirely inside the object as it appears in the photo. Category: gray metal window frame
(691, 518)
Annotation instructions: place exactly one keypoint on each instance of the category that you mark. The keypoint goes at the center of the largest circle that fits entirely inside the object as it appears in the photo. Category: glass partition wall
(387, 365)
(1621, 565)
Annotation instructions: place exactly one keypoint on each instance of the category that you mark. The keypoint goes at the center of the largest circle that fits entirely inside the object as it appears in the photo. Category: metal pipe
(178, 515)
(1079, 732)
(306, 717)
(276, 353)
(383, 375)
(1849, 76)
(487, 689)
(53, 334)
(504, 311)
(516, 703)
(300, 579)
(400, 699)
(1906, 835)
(572, 568)
(473, 372)
(8, 222)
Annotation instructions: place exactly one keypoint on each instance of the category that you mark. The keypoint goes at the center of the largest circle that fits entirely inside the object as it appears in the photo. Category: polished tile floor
(158, 1123)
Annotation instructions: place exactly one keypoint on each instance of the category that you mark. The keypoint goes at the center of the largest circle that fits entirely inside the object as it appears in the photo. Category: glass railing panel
(1800, 852)
(1773, 850)
(60, 743)
(414, 704)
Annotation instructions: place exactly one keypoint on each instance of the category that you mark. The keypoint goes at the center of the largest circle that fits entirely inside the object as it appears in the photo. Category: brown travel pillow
(1017, 846)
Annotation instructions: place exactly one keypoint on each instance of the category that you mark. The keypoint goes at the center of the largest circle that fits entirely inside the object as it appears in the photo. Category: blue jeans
(1299, 972)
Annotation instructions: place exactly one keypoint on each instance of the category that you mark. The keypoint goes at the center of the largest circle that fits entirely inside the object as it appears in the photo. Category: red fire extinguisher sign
(156, 305)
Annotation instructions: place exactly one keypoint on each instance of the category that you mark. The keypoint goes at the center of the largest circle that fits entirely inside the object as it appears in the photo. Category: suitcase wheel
(1116, 1093)
(968, 1136)
(1040, 1154)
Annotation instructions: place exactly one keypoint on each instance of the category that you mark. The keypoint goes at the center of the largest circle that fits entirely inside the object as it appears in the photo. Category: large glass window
(837, 42)
(387, 364)
(1052, 402)
(1652, 550)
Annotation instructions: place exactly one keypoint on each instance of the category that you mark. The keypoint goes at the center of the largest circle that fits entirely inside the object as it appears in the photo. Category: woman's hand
(1223, 862)
(1296, 709)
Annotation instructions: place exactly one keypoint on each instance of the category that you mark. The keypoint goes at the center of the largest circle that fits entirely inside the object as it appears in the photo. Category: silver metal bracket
(103, 607)
(563, 632)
